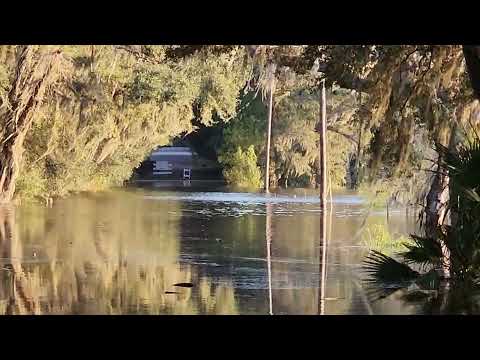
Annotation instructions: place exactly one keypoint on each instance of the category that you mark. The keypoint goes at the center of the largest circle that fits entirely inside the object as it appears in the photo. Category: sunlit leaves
(121, 102)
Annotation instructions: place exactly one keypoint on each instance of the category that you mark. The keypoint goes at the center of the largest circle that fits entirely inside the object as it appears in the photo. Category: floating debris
(171, 292)
(189, 285)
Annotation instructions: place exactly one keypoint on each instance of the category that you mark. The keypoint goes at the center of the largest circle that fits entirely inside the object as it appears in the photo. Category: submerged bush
(377, 237)
(241, 168)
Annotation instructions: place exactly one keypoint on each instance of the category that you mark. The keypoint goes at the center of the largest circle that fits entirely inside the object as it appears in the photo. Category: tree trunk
(435, 213)
(438, 196)
(356, 170)
(437, 201)
(356, 179)
(33, 74)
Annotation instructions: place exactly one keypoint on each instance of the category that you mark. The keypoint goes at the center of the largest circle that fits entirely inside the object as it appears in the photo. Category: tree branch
(340, 132)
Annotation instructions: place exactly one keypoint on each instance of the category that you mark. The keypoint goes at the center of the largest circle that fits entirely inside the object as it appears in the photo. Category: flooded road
(126, 251)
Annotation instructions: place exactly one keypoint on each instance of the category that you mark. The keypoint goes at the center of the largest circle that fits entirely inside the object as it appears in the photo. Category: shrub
(241, 168)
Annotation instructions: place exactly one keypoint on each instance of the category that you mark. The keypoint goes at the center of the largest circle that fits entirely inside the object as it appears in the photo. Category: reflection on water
(121, 252)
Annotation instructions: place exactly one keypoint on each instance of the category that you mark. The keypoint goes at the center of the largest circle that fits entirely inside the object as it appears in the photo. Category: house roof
(173, 151)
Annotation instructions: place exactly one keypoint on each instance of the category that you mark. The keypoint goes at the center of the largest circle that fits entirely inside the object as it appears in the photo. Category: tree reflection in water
(103, 258)
(268, 237)
(121, 252)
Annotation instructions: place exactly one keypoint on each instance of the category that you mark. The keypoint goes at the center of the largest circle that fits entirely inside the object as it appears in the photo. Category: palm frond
(416, 296)
(383, 268)
(425, 251)
(471, 194)
(385, 276)
(463, 166)
(429, 280)
(376, 291)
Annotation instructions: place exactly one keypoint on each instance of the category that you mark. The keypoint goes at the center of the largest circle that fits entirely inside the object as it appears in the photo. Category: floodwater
(123, 251)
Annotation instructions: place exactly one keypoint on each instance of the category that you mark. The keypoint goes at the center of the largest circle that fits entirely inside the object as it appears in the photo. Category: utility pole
(322, 147)
(322, 178)
(269, 130)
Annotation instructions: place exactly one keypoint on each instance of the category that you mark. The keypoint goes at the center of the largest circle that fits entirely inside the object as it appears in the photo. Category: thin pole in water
(269, 130)
(269, 127)
(323, 148)
(323, 195)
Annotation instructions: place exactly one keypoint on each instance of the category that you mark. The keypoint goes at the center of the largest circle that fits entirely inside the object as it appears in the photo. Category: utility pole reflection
(268, 236)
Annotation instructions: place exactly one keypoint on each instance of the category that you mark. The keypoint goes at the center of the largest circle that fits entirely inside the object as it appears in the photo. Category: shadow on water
(122, 252)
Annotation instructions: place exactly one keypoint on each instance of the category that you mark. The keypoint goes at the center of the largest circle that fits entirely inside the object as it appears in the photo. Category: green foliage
(377, 237)
(248, 127)
(94, 130)
(294, 157)
(245, 131)
(241, 168)
(122, 101)
(423, 251)
(294, 137)
(461, 237)
(32, 183)
(411, 95)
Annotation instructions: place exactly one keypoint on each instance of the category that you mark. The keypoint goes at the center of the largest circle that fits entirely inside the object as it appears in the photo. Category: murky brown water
(121, 252)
